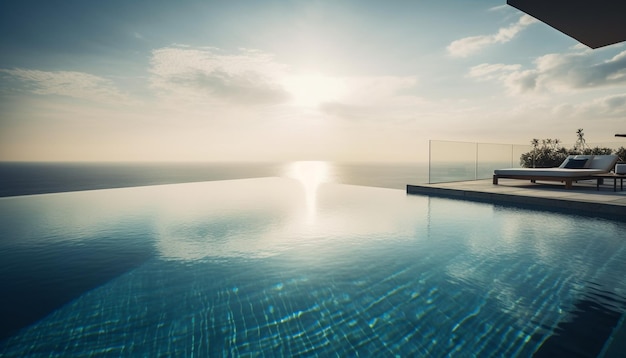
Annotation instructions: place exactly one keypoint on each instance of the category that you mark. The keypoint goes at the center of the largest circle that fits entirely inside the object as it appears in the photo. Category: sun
(312, 89)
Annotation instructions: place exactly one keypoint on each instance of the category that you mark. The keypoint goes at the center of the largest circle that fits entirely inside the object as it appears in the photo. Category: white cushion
(548, 172)
(604, 162)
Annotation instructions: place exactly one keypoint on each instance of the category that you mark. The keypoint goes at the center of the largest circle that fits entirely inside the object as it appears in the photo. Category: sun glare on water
(310, 90)
(310, 174)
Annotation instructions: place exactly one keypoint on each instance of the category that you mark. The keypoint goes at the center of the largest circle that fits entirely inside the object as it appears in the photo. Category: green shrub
(597, 151)
(621, 153)
(548, 153)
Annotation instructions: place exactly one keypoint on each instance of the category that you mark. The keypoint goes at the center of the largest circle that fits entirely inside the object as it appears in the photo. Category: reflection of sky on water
(265, 217)
(459, 260)
(75, 216)
(219, 219)
(224, 219)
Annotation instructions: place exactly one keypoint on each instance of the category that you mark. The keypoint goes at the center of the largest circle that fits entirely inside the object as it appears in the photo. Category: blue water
(295, 266)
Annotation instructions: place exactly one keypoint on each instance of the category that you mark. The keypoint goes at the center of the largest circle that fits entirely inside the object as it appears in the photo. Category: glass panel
(491, 157)
(452, 161)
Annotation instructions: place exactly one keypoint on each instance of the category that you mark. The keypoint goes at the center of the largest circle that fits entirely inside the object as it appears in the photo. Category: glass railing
(460, 161)
(451, 161)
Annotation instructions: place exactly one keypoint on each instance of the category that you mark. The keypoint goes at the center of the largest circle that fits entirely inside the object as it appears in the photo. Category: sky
(250, 80)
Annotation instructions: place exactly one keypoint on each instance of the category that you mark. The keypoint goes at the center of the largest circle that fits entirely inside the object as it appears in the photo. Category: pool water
(281, 267)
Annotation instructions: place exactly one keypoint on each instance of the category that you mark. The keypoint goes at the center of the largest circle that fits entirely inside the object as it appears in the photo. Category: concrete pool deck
(583, 198)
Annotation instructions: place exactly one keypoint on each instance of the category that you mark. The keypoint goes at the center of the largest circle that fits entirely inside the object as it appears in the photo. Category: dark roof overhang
(595, 23)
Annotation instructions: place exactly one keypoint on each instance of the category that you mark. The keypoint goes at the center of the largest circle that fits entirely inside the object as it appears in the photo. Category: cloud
(557, 73)
(491, 71)
(247, 78)
(511, 76)
(609, 106)
(68, 83)
(388, 97)
(499, 7)
(469, 45)
(254, 78)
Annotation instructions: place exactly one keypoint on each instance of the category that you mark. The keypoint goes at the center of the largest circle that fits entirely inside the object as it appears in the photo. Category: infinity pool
(279, 267)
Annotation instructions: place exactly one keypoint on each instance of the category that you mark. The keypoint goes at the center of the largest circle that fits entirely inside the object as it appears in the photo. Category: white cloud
(557, 73)
(69, 83)
(369, 89)
(375, 98)
(490, 71)
(469, 45)
(247, 78)
(499, 7)
(609, 106)
(200, 84)
(580, 47)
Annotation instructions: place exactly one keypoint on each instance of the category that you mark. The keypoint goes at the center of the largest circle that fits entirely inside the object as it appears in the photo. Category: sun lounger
(573, 168)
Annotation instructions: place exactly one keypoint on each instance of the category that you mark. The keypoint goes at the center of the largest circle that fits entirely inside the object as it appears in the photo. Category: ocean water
(37, 178)
(300, 266)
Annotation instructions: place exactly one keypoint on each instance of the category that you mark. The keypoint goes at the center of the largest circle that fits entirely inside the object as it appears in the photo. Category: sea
(28, 178)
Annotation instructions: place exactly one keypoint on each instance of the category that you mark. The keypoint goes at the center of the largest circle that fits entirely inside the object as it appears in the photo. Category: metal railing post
(476, 164)
(429, 159)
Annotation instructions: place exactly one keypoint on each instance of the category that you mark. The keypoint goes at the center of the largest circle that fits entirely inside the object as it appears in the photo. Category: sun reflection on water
(311, 174)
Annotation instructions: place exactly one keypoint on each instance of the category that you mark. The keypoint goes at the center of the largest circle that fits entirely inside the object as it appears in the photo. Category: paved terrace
(583, 198)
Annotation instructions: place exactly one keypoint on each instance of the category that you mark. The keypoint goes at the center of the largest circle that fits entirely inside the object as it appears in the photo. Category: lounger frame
(533, 178)
(599, 164)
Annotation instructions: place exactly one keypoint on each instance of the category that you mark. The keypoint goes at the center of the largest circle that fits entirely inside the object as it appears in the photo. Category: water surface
(279, 266)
